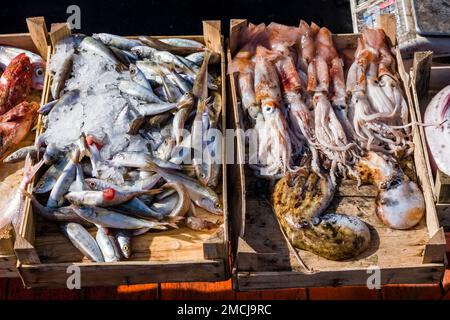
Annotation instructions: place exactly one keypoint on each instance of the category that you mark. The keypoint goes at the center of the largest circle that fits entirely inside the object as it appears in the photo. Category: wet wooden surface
(12, 289)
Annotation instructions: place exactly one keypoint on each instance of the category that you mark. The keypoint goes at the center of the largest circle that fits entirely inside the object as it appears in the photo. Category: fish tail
(186, 101)
(153, 191)
(174, 220)
(171, 67)
(27, 194)
(138, 232)
(160, 73)
(202, 105)
(159, 227)
(120, 67)
(151, 166)
(171, 224)
(31, 171)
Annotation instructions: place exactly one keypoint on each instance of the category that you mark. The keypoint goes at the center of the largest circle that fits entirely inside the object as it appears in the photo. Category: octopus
(299, 201)
(399, 202)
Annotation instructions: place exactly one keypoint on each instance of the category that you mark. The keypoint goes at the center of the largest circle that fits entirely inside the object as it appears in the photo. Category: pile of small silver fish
(116, 146)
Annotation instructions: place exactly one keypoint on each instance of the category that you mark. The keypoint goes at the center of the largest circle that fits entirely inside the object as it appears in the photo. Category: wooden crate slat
(123, 273)
(424, 274)
(428, 80)
(442, 187)
(11, 174)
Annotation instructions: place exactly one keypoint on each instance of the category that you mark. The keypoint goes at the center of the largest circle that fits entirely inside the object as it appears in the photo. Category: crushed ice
(101, 110)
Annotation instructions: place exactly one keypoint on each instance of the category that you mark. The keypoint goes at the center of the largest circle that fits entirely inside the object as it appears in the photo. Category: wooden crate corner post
(213, 35)
(236, 25)
(435, 249)
(388, 23)
(213, 247)
(39, 34)
(420, 77)
(59, 31)
(421, 72)
(420, 88)
(24, 243)
(442, 187)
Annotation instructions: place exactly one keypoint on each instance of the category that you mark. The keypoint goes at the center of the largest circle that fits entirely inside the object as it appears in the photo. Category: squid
(243, 63)
(300, 118)
(268, 95)
(333, 132)
(380, 111)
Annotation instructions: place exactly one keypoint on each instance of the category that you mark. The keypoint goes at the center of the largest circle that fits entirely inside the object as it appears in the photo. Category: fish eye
(92, 184)
(125, 247)
(217, 205)
(40, 184)
(132, 71)
(39, 72)
(26, 68)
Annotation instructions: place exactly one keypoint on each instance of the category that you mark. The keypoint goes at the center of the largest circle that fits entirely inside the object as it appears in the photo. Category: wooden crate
(264, 260)
(11, 174)
(180, 255)
(427, 79)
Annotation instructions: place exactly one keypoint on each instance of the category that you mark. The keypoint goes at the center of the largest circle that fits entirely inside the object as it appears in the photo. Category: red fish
(15, 124)
(15, 82)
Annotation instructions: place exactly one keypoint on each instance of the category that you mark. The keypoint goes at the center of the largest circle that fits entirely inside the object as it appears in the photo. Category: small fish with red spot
(108, 218)
(107, 197)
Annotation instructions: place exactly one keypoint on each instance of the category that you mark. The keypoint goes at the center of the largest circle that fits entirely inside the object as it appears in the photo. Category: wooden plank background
(11, 289)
